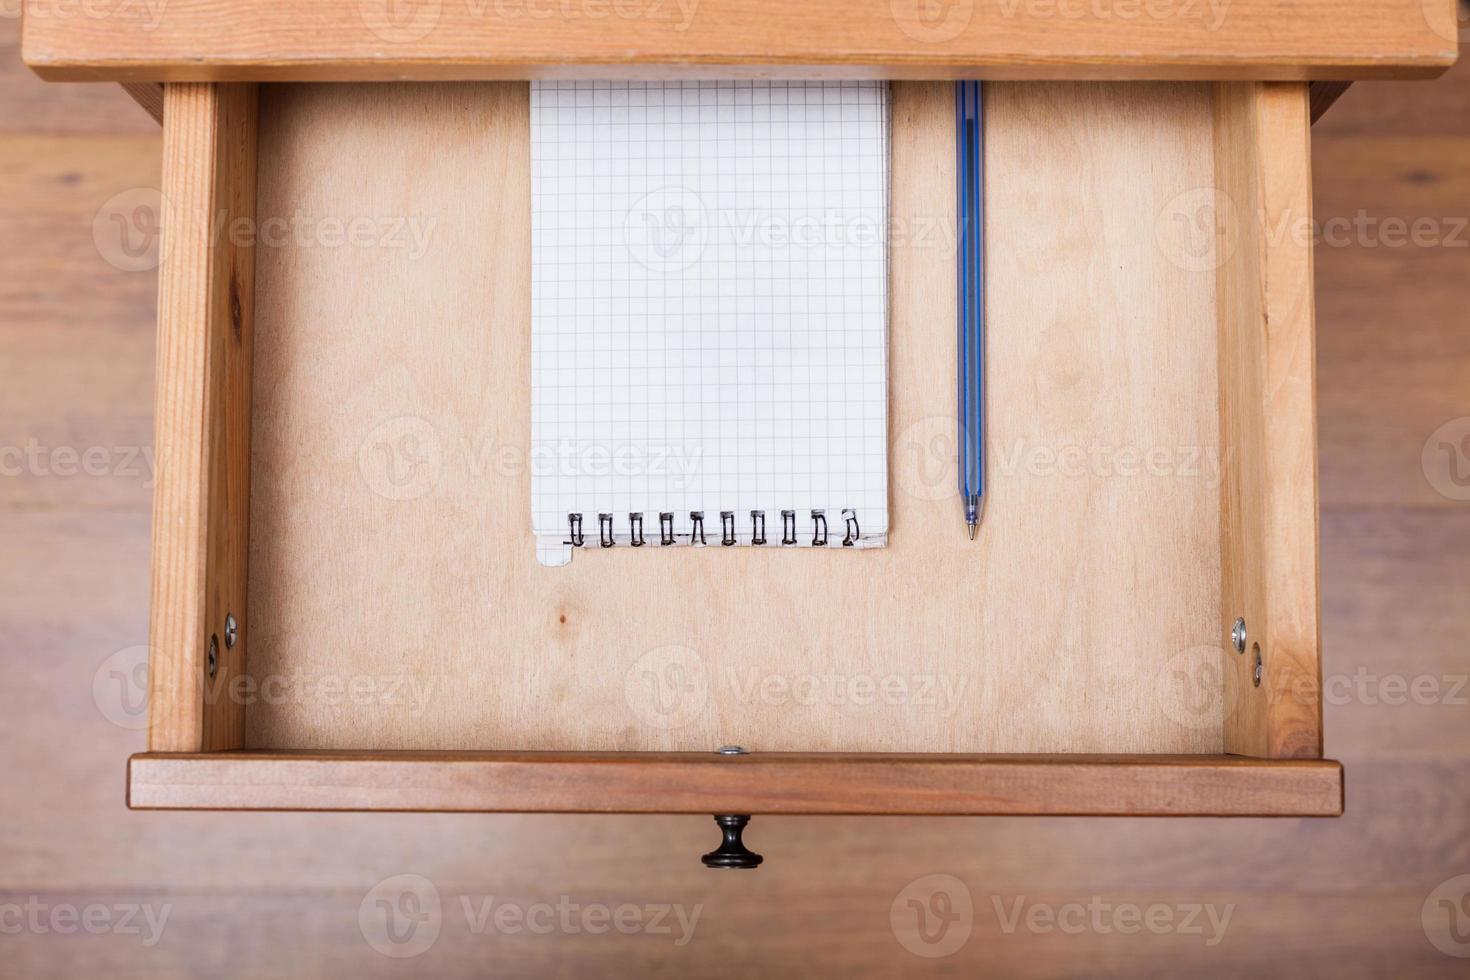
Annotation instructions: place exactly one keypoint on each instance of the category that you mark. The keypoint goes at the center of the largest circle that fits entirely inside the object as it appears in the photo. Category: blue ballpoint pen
(970, 298)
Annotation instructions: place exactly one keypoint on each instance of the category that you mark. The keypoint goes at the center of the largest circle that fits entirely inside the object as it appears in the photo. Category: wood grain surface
(893, 784)
(201, 505)
(1268, 524)
(390, 547)
(377, 40)
(279, 894)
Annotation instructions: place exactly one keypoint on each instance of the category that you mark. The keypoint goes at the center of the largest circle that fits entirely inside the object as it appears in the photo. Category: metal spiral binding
(667, 535)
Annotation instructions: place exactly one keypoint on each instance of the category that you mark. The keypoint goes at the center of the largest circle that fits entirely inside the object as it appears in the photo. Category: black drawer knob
(732, 852)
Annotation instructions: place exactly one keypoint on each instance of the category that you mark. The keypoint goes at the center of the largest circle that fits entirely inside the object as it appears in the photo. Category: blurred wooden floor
(278, 894)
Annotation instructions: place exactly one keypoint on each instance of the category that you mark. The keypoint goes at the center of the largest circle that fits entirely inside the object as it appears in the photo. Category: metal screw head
(731, 750)
(232, 631)
(213, 656)
(1237, 635)
(1259, 670)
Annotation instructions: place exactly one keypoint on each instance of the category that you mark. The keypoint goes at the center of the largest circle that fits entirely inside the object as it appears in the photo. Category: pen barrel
(970, 284)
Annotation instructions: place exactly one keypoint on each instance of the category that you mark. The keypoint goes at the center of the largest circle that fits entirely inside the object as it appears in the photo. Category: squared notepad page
(709, 314)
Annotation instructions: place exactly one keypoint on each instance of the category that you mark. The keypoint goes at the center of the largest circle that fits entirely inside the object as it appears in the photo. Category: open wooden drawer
(347, 608)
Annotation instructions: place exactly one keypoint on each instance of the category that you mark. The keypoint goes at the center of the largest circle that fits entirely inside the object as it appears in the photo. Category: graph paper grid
(709, 312)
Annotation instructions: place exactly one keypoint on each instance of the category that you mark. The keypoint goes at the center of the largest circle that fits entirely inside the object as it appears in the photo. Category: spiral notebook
(709, 315)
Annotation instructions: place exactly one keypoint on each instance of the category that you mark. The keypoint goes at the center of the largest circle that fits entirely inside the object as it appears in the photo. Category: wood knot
(237, 315)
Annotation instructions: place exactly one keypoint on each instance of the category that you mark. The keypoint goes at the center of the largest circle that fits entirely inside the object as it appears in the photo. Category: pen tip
(972, 530)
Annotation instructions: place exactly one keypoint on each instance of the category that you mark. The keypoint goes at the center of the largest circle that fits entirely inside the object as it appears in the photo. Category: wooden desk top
(380, 40)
